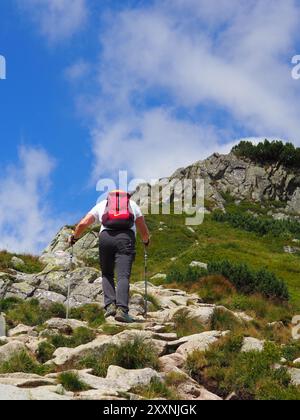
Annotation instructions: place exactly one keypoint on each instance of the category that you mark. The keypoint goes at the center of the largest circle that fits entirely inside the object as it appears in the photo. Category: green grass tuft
(136, 354)
(71, 382)
(23, 362)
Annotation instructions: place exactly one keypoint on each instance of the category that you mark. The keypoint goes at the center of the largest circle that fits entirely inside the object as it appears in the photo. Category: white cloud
(56, 19)
(77, 71)
(152, 145)
(212, 56)
(26, 222)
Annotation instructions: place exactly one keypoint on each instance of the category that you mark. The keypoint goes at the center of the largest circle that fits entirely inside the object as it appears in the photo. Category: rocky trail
(119, 383)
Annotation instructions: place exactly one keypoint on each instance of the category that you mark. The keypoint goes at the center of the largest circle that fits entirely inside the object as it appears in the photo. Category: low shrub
(214, 288)
(45, 351)
(260, 225)
(189, 275)
(249, 281)
(71, 382)
(242, 278)
(224, 369)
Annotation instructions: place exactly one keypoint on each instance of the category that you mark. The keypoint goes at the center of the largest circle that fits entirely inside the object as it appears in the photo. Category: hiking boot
(111, 310)
(123, 316)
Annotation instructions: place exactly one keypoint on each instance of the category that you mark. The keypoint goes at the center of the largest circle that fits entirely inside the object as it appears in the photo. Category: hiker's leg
(124, 259)
(107, 263)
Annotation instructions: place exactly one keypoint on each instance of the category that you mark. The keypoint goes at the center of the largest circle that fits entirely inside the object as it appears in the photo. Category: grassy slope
(216, 242)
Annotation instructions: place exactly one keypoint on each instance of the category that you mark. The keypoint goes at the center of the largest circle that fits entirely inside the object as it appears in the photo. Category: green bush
(269, 152)
(244, 279)
(248, 281)
(250, 375)
(261, 226)
(189, 275)
(45, 351)
(71, 382)
(136, 354)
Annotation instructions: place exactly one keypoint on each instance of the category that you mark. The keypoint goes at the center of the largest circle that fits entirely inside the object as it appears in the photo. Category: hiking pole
(146, 280)
(69, 283)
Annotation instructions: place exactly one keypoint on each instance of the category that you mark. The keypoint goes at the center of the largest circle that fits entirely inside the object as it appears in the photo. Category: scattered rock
(198, 264)
(9, 349)
(25, 380)
(19, 330)
(252, 344)
(159, 276)
(295, 376)
(200, 342)
(291, 250)
(64, 326)
(17, 263)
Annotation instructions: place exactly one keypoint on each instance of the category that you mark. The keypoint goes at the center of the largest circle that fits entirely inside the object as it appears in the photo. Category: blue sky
(98, 86)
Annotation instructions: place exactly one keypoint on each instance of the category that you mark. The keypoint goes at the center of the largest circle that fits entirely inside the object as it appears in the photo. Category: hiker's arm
(87, 221)
(143, 229)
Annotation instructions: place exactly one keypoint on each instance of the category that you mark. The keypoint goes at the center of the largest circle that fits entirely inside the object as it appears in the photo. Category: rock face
(241, 178)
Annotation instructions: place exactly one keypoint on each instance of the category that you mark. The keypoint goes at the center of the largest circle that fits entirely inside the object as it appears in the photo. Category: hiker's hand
(72, 240)
(146, 243)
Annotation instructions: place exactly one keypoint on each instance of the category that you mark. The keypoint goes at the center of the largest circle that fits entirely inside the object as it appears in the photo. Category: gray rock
(17, 263)
(9, 349)
(20, 290)
(291, 250)
(295, 376)
(252, 344)
(46, 298)
(159, 276)
(25, 380)
(200, 342)
(19, 330)
(198, 264)
(12, 393)
(64, 326)
(129, 379)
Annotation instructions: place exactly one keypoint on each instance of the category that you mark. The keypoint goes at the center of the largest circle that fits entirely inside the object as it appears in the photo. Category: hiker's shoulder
(99, 206)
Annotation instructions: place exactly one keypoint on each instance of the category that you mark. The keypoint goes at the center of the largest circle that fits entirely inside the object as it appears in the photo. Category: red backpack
(118, 214)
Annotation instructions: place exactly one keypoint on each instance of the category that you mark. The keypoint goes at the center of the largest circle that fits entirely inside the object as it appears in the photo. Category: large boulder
(199, 342)
(9, 349)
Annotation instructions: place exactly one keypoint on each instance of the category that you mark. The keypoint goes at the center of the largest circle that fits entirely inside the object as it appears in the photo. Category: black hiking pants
(117, 254)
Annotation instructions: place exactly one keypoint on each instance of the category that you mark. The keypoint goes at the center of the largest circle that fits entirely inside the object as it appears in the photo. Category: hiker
(120, 218)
